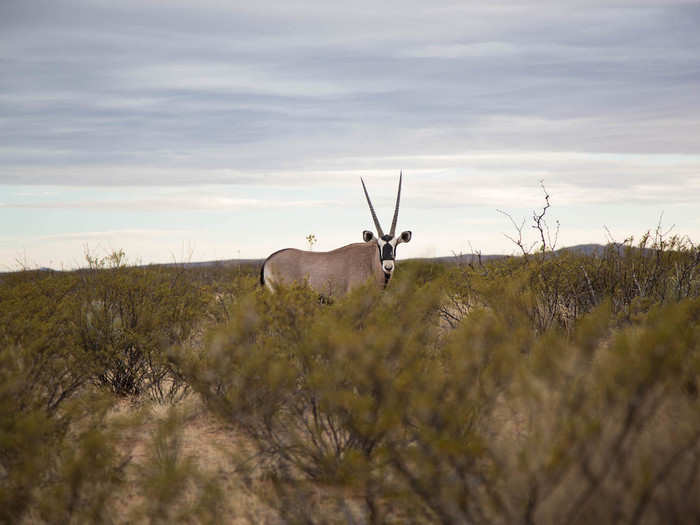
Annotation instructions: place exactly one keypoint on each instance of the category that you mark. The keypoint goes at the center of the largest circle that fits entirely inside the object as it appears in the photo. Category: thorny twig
(519, 241)
(540, 224)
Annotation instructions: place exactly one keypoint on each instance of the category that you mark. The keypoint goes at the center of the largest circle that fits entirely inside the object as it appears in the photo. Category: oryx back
(331, 273)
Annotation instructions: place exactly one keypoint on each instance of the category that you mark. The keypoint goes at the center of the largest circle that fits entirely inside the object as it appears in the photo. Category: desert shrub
(555, 388)
(38, 338)
(419, 272)
(655, 270)
(501, 419)
(59, 458)
(129, 317)
(556, 289)
(321, 390)
(314, 385)
(228, 286)
(83, 473)
(59, 468)
(511, 426)
(613, 434)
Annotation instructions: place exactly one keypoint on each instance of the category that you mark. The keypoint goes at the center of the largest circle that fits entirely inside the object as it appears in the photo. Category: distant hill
(586, 249)
(219, 262)
(470, 258)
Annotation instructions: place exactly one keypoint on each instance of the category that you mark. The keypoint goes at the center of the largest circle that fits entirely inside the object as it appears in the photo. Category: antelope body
(337, 272)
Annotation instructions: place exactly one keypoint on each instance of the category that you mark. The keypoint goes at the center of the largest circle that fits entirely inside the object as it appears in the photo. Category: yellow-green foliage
(129, 316)
(505, 418)
(311, 383)
(63, 337)
(557, 288)
(58, 456)
(561, 388)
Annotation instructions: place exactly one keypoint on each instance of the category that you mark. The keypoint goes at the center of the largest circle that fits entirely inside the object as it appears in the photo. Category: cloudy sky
(203, 130)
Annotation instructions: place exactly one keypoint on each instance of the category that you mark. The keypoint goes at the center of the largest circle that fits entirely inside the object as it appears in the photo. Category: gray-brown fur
(329, 273)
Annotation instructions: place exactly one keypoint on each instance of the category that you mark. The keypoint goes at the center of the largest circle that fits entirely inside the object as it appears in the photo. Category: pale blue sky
(209, 130)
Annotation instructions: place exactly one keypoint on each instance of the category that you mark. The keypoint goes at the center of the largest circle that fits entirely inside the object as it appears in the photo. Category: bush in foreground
(556, 388)
(495, 421)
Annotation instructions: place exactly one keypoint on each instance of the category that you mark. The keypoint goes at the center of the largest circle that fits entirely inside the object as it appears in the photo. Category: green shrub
(557, 288)
(500, 420)
(58, 457)
(129, 317)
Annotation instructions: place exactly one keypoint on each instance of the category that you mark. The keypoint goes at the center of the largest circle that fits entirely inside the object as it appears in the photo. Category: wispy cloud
(285, 107)
(265, 85)
(169, 204)
(89, 236)
(442, 180)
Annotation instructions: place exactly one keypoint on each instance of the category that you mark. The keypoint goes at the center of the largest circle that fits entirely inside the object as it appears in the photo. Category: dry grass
(218, 452)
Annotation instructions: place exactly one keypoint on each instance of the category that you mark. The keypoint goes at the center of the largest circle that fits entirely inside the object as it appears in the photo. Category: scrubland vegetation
(548, 388)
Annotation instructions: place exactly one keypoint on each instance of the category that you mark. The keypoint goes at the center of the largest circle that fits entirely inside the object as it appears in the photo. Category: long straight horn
(371, 208)
(396, 211)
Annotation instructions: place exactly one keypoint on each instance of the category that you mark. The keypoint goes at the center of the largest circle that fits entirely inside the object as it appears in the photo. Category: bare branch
(519, 241)
(538, 218)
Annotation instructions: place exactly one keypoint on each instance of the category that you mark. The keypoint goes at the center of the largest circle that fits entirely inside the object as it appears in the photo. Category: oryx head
(386, 243)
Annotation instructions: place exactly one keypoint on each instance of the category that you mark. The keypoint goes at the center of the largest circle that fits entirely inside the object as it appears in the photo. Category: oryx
(338, 271)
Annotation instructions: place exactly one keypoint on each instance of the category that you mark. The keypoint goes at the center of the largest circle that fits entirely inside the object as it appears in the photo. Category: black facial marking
(387, 252)
(386, 238)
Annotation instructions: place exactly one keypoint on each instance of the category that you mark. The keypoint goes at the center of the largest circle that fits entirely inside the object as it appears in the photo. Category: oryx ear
(405, 236)
(367, 235)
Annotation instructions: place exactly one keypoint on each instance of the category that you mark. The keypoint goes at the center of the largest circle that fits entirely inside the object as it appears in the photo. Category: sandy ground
(215, 449)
